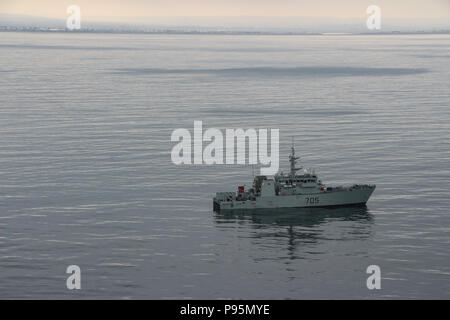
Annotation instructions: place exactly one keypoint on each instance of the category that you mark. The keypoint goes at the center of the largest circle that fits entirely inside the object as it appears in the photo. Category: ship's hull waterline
(323, 199)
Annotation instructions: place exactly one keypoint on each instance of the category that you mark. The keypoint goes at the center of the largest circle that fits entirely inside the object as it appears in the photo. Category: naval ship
(292, 190)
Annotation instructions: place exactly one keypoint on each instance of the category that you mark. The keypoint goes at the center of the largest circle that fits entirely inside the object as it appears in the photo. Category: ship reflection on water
(297, 229)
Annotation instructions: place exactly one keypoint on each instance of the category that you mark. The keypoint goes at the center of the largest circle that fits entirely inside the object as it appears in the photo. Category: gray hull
(323, 199)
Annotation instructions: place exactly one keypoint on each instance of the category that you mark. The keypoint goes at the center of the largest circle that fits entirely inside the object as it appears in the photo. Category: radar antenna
(293, 160)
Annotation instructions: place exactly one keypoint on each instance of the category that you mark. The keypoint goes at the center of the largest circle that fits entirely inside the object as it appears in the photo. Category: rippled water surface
(86, 176)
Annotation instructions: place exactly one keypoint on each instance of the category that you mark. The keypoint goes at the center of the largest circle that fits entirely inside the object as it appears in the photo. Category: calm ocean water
(86, 176)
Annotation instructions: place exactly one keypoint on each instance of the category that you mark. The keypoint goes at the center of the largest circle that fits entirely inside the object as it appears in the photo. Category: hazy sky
(127, 10)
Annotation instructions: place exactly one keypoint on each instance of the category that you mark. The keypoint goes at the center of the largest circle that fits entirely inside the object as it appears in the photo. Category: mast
(293, 160)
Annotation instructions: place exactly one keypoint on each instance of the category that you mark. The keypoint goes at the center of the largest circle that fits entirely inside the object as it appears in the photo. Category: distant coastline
(207, 32)
(227, 25)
